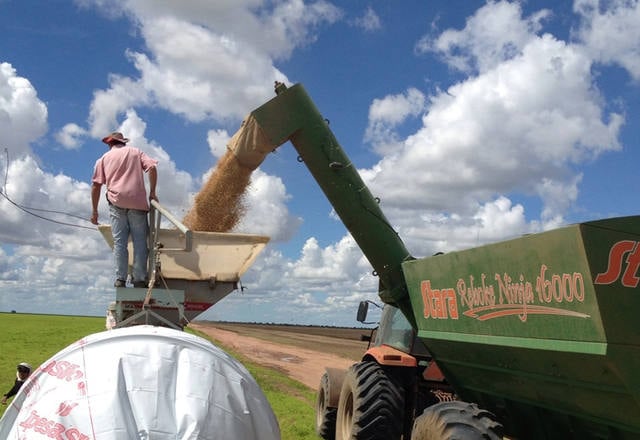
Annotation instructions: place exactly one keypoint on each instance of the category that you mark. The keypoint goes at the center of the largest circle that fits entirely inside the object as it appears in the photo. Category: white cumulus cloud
(610, 32)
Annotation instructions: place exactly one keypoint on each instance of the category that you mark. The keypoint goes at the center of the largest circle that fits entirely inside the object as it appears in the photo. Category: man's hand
(152, 196)
(94, 217)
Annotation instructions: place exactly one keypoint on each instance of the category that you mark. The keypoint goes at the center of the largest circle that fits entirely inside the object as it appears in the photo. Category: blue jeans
(127, 223)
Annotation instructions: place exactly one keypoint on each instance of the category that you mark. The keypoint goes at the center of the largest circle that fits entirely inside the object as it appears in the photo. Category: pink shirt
(122, 170)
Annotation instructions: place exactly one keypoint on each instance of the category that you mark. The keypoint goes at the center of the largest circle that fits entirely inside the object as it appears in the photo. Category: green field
(36, 338)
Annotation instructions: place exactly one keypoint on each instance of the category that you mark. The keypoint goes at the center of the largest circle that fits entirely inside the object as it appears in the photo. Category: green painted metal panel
(613, 249)
(537, 286)
(525, 385)
(545, 323)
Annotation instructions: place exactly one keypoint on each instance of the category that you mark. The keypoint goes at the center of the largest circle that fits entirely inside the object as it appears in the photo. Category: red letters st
(614, 269)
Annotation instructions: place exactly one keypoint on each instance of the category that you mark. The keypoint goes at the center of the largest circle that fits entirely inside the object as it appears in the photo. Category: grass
(36, 338)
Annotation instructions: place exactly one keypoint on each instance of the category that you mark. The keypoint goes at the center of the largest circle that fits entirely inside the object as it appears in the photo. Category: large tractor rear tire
(325, 414)
(456, 421)
(371, 405)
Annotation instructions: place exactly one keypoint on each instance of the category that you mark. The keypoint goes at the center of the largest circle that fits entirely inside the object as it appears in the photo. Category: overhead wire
(29, 210)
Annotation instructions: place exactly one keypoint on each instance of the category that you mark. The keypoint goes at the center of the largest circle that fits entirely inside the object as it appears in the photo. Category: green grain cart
(532, 338)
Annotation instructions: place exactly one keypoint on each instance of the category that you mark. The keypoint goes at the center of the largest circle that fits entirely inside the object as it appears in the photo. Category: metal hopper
(189, 271)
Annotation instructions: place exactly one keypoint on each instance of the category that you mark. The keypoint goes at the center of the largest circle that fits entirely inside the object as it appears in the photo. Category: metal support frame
(153, 266)
(146, 313)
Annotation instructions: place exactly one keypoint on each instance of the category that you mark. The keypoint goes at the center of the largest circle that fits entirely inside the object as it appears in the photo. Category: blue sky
(473, 122)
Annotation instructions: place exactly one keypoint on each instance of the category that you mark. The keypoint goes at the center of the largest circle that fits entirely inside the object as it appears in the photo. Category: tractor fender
(335, 378)
(389, 356)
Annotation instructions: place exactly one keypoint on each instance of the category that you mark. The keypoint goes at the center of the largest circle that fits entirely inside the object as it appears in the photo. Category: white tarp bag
(142, 382)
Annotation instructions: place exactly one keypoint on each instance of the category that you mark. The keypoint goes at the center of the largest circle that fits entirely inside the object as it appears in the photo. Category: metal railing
(155, 217)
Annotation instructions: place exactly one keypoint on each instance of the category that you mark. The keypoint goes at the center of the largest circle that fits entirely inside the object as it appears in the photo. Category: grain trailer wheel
(371, 405)
(456, 420)
(326, 410)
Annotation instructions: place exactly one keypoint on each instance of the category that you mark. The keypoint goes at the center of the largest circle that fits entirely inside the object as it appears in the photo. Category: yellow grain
(219, 205)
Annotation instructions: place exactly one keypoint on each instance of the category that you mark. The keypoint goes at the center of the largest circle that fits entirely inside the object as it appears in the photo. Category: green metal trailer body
(543, 329)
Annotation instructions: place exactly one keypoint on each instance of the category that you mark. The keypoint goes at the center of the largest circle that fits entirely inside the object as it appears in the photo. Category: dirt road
(301, 364)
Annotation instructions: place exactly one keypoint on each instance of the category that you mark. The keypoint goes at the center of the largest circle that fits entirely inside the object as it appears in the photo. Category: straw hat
(115, 137)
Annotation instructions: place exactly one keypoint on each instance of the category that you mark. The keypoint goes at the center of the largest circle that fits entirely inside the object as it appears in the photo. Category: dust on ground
(301, 364)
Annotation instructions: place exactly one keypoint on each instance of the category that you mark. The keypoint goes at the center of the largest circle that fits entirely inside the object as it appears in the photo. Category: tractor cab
(393, 330)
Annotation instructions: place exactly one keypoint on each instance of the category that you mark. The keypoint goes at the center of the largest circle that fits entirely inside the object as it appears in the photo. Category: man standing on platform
(122, 169)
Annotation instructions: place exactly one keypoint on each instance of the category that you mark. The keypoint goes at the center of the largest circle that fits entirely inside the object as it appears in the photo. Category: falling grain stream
(219, 205)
